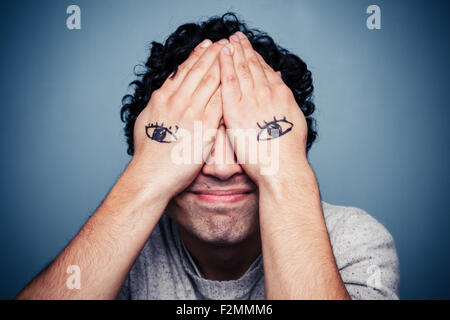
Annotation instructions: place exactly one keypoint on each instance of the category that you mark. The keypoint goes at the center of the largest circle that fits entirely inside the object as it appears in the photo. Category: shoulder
(365, 252)
(352, 221)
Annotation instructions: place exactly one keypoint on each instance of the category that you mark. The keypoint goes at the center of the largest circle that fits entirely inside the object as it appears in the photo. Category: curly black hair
(165, 58)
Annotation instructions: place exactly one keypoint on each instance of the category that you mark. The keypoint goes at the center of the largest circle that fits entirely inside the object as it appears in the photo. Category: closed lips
(222, 192)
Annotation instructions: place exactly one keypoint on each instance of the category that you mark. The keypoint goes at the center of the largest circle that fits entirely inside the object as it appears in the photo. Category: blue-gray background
(382, 99)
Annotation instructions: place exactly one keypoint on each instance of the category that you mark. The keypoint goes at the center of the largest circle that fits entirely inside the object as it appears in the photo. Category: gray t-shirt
(364, 251)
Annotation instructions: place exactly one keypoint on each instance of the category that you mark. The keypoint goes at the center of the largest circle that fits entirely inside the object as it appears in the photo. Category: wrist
(297, 193)
(137, 191)
(287, 179)
(148, 181)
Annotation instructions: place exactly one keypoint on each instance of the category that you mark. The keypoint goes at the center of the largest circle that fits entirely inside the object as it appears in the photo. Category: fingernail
(223, 41)
(228, 49)
(205, 43)
(240, 35)
(235, 38)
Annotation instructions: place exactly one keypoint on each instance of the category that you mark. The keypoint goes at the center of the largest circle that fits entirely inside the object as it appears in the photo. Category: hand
(255, 97)
(168, 119)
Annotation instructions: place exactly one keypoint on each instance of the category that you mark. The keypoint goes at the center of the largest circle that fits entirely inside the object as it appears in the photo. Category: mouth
(222, 196)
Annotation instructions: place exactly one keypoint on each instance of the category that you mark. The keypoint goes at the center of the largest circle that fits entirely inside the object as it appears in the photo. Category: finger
(207, 86)
(271, 75)
(199, 69)
(172, 83)
(231, 91)
(257, 71)
(212, 120)
(240, 65)
(213, 109)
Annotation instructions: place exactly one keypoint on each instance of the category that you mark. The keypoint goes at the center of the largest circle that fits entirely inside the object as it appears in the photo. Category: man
(215, 228)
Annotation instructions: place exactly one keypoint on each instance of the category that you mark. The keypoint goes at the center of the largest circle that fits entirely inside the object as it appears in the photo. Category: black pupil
(274, 129)
(159, 134)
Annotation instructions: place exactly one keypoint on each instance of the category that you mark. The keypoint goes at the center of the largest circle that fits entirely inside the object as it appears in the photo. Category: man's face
(221, 205)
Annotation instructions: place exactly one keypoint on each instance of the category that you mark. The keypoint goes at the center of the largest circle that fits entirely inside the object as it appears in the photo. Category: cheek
(177, 209)
(184, 211)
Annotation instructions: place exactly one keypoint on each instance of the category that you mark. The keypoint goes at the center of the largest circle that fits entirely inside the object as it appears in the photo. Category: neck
(222, 262)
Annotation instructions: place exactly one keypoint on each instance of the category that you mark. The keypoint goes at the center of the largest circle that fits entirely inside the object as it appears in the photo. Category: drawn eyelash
(273, 129)
(160, 132)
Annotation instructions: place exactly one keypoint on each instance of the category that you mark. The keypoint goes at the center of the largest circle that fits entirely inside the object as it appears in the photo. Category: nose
(221, 163)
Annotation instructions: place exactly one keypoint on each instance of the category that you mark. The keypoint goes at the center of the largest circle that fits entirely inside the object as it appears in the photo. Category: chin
(216, 224)
(221, 229)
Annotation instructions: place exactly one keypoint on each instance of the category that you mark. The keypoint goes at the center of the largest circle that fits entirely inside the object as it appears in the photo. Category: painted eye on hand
(159, 133)
(274, 129)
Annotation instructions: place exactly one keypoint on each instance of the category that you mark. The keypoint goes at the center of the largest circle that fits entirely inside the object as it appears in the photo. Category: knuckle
(176, 100)
(182, 67)
(199, 66)
(284, 90)
(231, 78)
(268, 68)
(242, 67)
(264, 91)
(216, 47)
(192, 114)
(158, 95)
(196, 53)
(253, 62)
(209, 78)
(181, 70)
